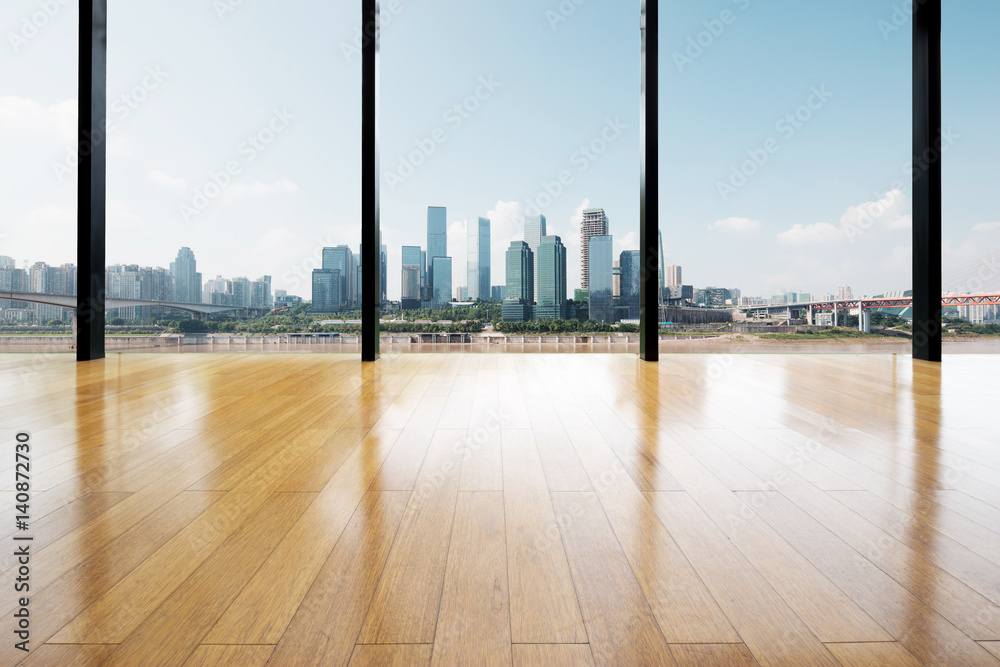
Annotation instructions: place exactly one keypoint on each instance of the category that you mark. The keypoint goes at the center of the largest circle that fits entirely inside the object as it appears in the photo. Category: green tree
(192, 326)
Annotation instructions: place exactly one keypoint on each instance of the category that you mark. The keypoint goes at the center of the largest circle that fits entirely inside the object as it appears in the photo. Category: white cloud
(506, 225)
(986, 227)
(736, 226)
(814, 234)
(162, 178)
(281, 186)
(889, 211)
(629, 241)
(18, 114)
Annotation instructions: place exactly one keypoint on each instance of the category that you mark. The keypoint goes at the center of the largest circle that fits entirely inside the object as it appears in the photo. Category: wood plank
(236, 655)
(710, 655)
(121, 609)
(55, 605)
(264, 608)
(406, 602)
(543, 603)
(391, 655)
(326, 624)
(978, 573)
(481, 462)
(769, 627)
(473, 626)
(873, 653)
(69, 655)
(992, 647)
(171, 635)
(683, 605)
(552, 655)
(620, 624)
(914, 624)
(826, 610)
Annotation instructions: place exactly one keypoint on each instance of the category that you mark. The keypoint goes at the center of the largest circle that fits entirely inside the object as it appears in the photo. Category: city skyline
(790, 225)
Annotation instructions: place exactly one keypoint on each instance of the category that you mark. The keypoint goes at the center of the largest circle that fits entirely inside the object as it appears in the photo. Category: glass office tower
(534, 230)
(442, 281)
(479, 259)
(520, 282)
(600, 250)
(326, 290)
(629, 264)
(551, 270)
(340, 258)
(437, 238)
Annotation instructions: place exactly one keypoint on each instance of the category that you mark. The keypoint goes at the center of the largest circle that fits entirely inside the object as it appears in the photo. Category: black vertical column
(927, 180)
(371, 242)
(649, 216)
(91, 178)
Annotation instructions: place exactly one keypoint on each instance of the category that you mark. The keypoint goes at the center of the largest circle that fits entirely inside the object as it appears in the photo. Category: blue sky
(534, 85)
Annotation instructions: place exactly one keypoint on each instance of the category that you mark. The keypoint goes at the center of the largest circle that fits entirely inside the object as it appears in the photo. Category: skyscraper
(601, 249)
(437, 238)
(410, 299)
(629, 263)
(660, 258)
(383, 274)
(341, 259)
(672, 276)
(534, 230)
(595, 223)
(551, 269)
(520, 282)
(187, 280)
(326, 294)
(260, 293)
(479, 259)
(442, 281)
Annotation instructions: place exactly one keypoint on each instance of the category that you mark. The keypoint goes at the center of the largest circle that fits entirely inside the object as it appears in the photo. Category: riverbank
(694, 343)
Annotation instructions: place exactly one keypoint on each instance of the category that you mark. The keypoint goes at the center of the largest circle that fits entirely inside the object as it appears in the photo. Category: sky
(785, 133)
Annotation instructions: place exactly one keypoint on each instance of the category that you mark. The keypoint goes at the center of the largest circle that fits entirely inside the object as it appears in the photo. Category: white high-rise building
(672, 276)
(595, 223)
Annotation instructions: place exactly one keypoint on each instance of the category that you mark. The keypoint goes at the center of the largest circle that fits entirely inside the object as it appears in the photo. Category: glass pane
(785, 142)
(234, 184)
(38, 185)
(971, 221)
(501, 125)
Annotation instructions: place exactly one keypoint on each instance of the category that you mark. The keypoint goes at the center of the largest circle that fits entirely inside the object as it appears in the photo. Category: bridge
(69, 301)
(863, 306)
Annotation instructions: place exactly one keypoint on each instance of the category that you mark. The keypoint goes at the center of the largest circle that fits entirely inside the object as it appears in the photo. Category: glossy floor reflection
(506, 509)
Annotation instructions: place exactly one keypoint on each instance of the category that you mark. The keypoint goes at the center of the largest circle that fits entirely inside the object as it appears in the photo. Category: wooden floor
(298, 509)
